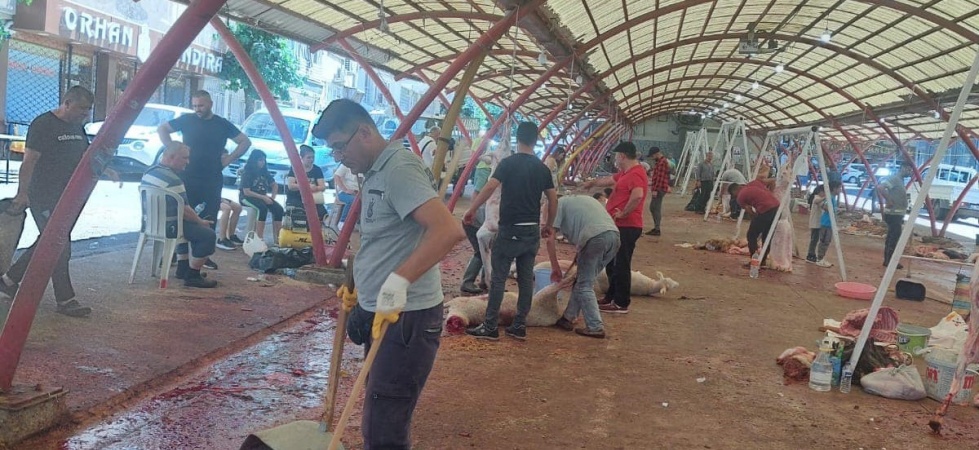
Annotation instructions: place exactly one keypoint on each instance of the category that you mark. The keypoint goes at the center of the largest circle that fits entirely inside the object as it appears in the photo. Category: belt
(525, 224)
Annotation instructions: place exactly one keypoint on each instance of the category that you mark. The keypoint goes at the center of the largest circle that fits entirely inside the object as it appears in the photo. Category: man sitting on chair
(197, 231)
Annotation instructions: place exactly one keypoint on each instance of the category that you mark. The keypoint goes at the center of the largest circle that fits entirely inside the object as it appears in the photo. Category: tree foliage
(270, 54)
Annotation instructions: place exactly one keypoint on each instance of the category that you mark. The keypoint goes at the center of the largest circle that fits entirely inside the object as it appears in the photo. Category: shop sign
(201, 61)
(98, 30)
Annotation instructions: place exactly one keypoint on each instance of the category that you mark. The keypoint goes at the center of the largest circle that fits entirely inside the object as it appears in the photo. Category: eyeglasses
(340, 149)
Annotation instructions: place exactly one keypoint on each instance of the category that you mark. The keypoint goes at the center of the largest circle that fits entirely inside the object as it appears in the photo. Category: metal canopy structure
(853, 61)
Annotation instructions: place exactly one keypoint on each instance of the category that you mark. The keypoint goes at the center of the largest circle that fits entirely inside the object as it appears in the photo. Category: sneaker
(811, 258)
(600, 334)
(824, 263)
(613, 308)
(605, 301)
(225, 244)
(564, 324)
(653, 232)
(234, 238)
(210, 264)
(519, 334)
(199, 282)
(483, 286)
(10, 290)
(470, 288)
(481, 332)
(72, 308)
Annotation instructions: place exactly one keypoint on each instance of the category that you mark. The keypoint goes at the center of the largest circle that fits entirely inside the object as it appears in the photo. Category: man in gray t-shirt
(895, 206)
(586, 224)
(405, 232)
(704, 174)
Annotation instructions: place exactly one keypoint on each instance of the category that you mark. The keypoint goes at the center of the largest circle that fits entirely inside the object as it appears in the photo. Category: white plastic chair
(154, 230)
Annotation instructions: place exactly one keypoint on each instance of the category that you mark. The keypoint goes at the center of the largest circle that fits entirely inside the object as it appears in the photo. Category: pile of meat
(795, 364)
(884, 329)
(936, 252)
(866, 226)
(729, 246)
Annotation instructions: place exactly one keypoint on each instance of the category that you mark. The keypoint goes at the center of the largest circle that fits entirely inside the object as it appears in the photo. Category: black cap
(627, 148)
(653, 151)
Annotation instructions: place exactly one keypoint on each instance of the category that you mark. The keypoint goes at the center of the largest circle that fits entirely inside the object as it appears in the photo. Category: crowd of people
(406, 229)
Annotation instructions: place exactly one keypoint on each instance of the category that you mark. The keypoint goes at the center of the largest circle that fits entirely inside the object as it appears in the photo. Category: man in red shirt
(659, 186)
(625, 206)
(762, 205)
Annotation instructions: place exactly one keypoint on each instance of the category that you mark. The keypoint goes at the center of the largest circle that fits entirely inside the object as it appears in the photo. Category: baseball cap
(627, 148)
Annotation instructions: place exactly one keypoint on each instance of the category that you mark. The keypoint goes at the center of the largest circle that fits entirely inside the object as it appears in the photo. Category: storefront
(96, 44)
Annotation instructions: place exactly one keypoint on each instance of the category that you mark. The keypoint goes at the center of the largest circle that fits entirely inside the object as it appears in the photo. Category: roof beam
(419, 15)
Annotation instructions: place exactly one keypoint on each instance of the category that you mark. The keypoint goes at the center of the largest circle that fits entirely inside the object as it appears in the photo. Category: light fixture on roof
(716, 110)
(938, 115)
(724, 105)
(779, 68)
(542, 58)
(737, 97)
(825, 37)
(578, 79)
(754, 85)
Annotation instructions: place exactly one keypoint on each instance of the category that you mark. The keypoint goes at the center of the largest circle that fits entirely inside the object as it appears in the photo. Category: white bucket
(938, 377)
(542, 279)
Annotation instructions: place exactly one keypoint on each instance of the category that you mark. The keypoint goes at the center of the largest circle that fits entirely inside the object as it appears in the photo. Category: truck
(949, 183)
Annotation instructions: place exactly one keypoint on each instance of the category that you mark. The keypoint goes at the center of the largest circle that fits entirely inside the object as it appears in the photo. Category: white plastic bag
(900, 383)
(253, 244)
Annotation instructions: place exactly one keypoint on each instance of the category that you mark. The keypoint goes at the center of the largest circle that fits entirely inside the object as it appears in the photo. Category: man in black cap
(659, 178)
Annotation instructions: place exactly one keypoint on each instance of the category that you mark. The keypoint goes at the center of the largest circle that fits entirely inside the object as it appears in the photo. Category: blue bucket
(542, 279)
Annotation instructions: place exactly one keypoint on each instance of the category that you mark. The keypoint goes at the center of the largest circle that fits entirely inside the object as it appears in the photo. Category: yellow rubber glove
(347, 299)
(379, 320)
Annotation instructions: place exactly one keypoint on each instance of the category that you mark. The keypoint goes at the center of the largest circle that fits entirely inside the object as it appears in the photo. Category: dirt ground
(640, 388)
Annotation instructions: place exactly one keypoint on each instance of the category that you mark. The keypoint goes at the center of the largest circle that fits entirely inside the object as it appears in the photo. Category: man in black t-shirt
(206, 134)
(522, 178)
(56, 142)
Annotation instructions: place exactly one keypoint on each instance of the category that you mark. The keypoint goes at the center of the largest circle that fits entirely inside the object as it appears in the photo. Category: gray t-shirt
(895, 195)
(396, 185)
(733, 176)
(581, 217)
(705, 171)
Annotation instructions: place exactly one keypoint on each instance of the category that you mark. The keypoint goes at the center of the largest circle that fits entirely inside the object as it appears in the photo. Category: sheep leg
(485, 238)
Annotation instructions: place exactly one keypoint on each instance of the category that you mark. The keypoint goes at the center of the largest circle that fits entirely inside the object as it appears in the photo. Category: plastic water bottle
(199, 209)
(755, 265)
(821, 372)
(846, 378)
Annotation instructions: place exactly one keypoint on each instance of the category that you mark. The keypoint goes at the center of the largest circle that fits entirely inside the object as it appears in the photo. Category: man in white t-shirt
(348, 185)
(429, 144)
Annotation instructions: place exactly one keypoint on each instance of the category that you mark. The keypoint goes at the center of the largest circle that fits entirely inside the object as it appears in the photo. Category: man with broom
(405, 232)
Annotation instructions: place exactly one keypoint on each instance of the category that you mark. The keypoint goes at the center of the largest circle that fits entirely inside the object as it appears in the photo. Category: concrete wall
(668, 134)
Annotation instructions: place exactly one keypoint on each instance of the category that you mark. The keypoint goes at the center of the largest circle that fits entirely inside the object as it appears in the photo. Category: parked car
(139, 147)
(856, 172)
(265, 137)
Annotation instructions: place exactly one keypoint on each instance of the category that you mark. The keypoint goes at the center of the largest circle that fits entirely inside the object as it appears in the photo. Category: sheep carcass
(491, 222)
(546, 308)
(969, 355)
(641, 284)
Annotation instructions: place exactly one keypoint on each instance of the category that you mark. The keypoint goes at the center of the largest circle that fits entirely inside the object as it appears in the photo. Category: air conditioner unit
(349, 80)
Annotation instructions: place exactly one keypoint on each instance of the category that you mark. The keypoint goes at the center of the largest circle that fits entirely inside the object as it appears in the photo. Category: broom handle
(355, 392)
(333, 380)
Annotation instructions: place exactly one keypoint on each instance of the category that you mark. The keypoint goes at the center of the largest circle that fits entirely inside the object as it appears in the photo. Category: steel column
(442, 147)
(486, 40)
(56, 235)
(305, 192)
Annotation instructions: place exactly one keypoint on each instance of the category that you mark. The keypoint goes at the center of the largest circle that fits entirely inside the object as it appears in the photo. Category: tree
(272, 57)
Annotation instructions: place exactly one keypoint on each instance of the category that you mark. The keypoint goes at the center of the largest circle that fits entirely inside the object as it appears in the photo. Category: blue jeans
(347, 199)
(520, 243)
(592, 259)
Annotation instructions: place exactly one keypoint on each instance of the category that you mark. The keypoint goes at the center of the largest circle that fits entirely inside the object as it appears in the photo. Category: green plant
(271, 56)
